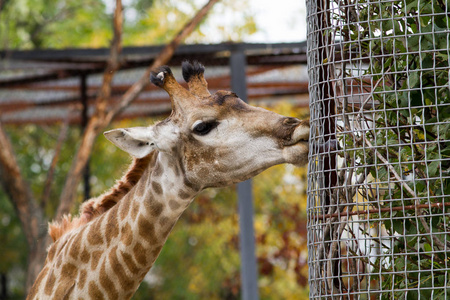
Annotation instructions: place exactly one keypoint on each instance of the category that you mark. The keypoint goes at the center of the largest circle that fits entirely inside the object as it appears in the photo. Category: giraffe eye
(203, 128)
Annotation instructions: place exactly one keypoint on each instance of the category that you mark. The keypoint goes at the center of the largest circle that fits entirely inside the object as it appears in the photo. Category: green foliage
(34, 147)
(406, 43)
(29, 24)
(12, 260)
(147, 29)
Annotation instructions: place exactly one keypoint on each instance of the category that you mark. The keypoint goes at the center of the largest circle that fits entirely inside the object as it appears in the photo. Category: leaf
(427, 247)
(412, 6)
(433, 168)
(414, 79)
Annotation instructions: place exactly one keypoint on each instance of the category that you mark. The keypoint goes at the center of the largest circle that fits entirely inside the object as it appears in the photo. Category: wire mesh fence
(379, 204)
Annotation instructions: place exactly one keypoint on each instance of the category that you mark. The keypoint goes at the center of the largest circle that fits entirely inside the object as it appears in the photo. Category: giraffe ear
(137, 141)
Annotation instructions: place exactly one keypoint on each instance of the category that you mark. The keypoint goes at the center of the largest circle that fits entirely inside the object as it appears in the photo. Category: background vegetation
(406, 45)
(28, 24)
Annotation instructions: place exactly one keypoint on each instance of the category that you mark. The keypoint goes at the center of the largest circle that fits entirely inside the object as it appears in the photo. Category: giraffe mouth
(299, 135)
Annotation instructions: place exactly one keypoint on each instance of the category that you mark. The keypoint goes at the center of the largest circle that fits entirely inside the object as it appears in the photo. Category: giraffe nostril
(291, 121)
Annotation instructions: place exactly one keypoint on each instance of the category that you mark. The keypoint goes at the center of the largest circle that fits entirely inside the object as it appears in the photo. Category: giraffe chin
(296, 154)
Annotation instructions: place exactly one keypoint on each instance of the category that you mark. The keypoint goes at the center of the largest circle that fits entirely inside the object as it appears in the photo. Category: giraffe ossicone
(209, 140)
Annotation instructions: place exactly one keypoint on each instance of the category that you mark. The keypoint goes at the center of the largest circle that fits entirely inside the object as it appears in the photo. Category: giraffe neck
(111, 255)
(153, 208)
(144, 221)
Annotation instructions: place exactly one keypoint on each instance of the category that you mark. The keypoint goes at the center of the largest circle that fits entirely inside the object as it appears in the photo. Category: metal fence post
(84, 121)
(249, 273)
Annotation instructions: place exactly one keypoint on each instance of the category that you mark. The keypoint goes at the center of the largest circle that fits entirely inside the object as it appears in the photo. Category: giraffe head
(217, 139)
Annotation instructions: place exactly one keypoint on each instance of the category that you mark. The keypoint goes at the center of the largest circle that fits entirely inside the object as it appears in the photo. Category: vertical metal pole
(84, 121)
(249, 273)
(326, 95)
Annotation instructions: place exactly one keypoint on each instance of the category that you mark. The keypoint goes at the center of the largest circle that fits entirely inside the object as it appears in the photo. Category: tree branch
(51, 171)
(18, 190)
(68, 194)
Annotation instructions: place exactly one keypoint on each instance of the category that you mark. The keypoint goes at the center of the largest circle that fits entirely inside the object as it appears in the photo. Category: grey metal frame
(249, 272)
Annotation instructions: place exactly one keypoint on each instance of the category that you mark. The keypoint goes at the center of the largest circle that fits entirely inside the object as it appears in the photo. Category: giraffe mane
(97, 206)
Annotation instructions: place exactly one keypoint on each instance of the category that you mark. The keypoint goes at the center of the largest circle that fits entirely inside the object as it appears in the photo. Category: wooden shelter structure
(48, 86)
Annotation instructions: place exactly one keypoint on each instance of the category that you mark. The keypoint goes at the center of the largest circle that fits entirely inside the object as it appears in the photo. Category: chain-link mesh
(379, 204)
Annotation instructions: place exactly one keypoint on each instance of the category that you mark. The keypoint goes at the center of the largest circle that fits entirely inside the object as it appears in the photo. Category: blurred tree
(11, 260)
(143, 27)
(29, 24)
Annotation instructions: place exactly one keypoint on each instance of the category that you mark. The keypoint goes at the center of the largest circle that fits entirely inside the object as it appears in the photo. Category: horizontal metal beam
(252, 60)
(70, 54)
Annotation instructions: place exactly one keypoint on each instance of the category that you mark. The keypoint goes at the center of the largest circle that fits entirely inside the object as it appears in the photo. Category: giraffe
(209, 140)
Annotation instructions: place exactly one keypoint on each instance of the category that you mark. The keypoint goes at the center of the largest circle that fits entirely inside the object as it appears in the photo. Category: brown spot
(174, 204)
(37, 283)
(140, 254)
(112, 230)
(147, 230)
(188, 183)
(69, 270)
(183, 194)
(117, 268)
(65, 289)
(48, 289)
(95, 258)
(156, 208)
(94, 236)
(107, 284)
(126, 237)
(157, 187)
(128, 259)
(156, 251)
(94, 291)
(85, 256)
(135, 206)
(123, 211)
(51, 252)
(82, 279)
(163, 221)
(75, 247)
